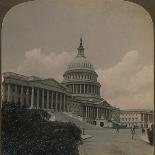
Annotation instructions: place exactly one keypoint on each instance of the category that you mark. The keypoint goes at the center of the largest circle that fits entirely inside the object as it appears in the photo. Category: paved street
(108, 142)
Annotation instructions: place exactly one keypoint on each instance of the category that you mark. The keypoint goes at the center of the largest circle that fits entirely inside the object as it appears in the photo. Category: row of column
(97, 112)
(79, 76)
(36, 98)
(146, 117)
(84, 89)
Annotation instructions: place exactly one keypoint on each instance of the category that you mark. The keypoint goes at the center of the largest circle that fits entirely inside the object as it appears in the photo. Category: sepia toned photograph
(77, 78)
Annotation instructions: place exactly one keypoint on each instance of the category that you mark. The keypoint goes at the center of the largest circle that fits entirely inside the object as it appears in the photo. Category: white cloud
(128, 84)
(46, 66)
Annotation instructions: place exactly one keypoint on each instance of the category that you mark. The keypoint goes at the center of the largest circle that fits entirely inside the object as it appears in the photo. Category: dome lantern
(80, 49)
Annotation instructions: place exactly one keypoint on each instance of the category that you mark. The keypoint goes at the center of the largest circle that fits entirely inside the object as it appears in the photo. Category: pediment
(53, 82)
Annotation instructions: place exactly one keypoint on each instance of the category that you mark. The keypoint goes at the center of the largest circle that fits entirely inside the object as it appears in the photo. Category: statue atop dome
(81, 41)
(81, 49)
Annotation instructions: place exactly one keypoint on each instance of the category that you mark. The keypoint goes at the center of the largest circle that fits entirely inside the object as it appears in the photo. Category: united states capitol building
(78, 93)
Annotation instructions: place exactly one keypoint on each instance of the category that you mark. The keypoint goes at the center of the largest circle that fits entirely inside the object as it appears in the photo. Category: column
(37, 97)
(9, 93)
(73, 88)
(16, 93)
(64, 106)
(86, 112)
(148, 118)
(60, 104)
(89, 112)
(43, 99)
(32, 97)
(27, 96)
(109, 114)
(56, 102)
(52, 100)
(47, 99)
(97, 113)
(84, 88)
(21, 96)
(80, 88)
(143, 117)
(91, 89)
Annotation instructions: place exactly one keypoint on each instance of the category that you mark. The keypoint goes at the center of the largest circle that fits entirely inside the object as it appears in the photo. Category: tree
(29, 132)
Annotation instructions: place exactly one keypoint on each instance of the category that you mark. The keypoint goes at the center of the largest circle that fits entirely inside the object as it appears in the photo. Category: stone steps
(68, 117)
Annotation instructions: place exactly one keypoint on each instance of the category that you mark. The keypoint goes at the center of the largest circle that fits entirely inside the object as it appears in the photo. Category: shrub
(29, 132)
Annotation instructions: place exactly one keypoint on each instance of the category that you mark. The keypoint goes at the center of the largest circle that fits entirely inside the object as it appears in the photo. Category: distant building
(137, 117)
(79, 92)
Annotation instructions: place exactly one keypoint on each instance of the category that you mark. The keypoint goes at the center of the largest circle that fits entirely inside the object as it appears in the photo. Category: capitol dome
(80, 61)
(80, 76)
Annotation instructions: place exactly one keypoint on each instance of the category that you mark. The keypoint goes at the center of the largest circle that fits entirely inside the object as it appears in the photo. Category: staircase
(68, 117)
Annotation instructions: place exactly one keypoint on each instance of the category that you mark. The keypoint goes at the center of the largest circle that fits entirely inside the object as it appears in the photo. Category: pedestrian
(150, 134)
(133, 132)
(143, 131)
(117, 129)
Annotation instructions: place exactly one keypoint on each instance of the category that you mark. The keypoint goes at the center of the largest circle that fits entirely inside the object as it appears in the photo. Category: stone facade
(79, 92)
(137, 117)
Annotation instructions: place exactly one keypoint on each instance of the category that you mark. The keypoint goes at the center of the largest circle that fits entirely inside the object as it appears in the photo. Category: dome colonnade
(80, 76)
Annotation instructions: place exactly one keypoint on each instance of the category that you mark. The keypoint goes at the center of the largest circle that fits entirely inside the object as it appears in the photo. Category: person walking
(117, 129)
(133, 132)
(143, 131)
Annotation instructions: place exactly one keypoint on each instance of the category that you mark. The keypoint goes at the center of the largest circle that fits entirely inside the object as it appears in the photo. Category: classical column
(47, 99)
(9, 94)
(43, 99)
(84, 88)
(109, 114)
(16, 93)
(86, 112)
(52, 100)
(91, 112)
(27, 96)
(32, 97)
(37, 97)
(73, 89)
(143, 117)
(64, 103)
(97, 113)
(80, 88)
(91, 89)
(60, 104)
(95, 90)
(56, 102)
(21, 96)
(148, 118)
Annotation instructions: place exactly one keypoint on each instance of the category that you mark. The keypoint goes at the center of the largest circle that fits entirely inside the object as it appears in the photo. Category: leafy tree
(29, 132)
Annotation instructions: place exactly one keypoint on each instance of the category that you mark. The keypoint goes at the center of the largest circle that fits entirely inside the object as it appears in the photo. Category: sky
(41, 38)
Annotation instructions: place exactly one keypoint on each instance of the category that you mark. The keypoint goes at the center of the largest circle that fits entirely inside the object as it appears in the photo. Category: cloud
(128, 84)
(37, 63)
